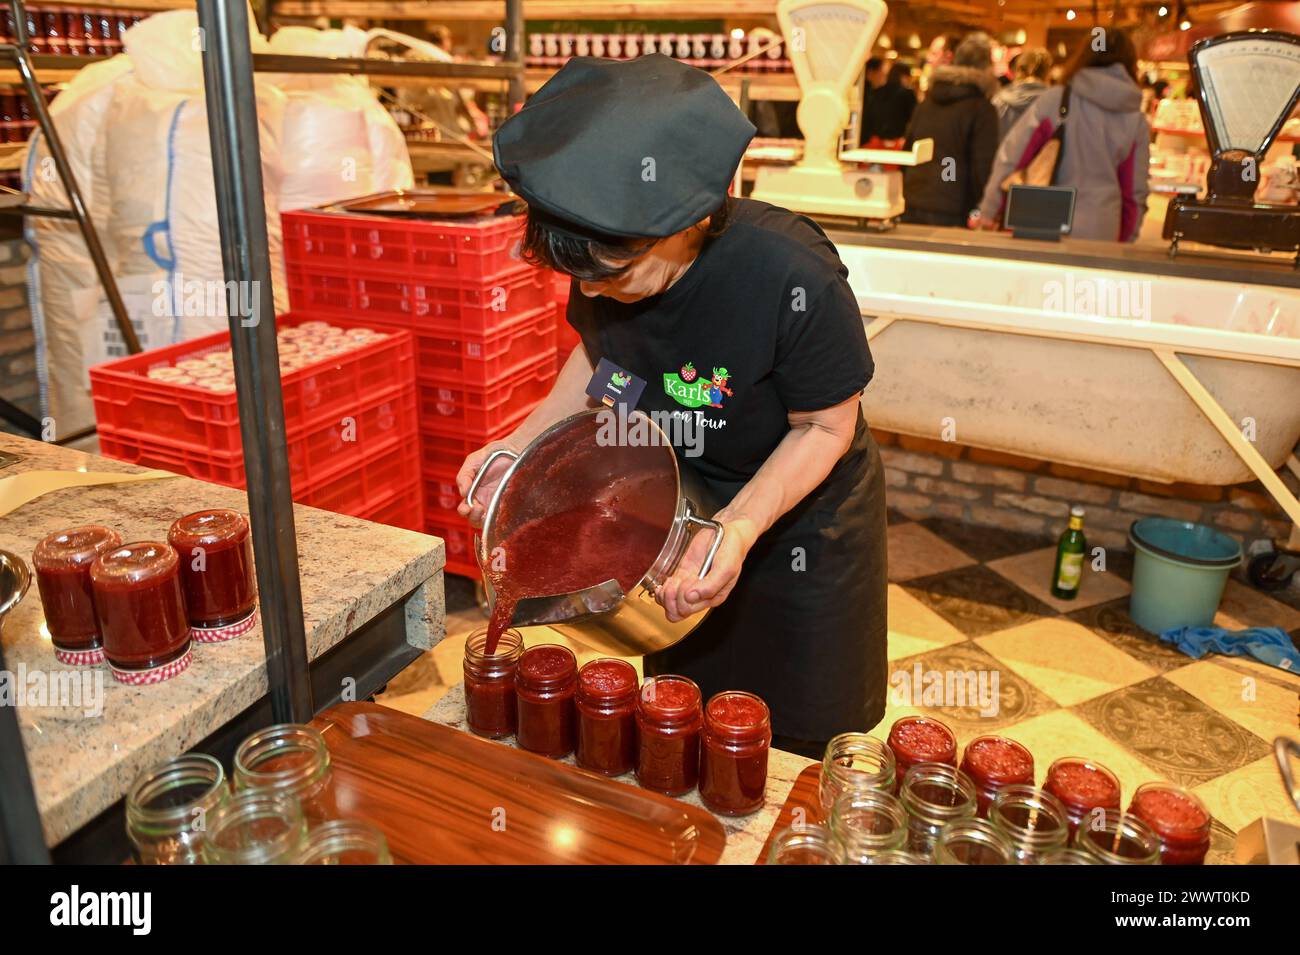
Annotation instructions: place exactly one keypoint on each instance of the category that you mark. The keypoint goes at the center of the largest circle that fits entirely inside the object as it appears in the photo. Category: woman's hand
(684, 593)
(487, 487)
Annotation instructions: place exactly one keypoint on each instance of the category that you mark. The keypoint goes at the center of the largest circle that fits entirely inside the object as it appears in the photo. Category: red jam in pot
(545, 680)
(62, 565)
(606, 703)
(993, 762)
(139, 605)
(216, 567)
(1081, 786)
(734, 744)
(918, 739)
(1178, 818)
(490, 683)
(668, 721)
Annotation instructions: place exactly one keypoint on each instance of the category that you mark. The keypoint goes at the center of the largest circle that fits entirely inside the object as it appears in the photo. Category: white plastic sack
(166, 49)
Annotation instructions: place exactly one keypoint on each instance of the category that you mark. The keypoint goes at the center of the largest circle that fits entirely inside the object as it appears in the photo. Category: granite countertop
(85, 757)
(745, 834)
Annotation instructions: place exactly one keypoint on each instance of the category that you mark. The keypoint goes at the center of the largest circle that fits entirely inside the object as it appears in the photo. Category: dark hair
(1116, 47)
(551, 244)
(897, 72)
(874, 64)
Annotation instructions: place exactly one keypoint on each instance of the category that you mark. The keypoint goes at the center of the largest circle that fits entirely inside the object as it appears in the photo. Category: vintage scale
(1249, 82)
(828, 42)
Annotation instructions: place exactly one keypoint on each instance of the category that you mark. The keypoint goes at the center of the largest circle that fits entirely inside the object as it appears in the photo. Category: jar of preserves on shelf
(972, 842)
(169, 810)
(854, 761)
(255, 827)
(993, 762)
(668, 722)
(1034, 821)
(216, 561)
(606, 704)
(141, 612)
(289, 759)
(1117, 838)
(490, 683)
(1083, 787)
(934, 794)
(919, 739)
(1178, 818)
(868, 822)
(546, 680)
(805, 845)
(344, 842)
(61, 562)
(734, 746)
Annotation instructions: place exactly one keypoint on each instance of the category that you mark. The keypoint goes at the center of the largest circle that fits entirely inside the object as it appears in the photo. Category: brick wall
(928, 478)
(17, 342)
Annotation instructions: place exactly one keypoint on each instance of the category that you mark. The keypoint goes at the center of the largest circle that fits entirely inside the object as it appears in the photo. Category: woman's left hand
(685, 593)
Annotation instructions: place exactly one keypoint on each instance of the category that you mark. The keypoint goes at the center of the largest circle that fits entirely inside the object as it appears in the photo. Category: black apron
(805, 627)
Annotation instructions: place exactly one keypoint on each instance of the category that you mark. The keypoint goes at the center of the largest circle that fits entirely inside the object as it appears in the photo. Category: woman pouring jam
(738, 314)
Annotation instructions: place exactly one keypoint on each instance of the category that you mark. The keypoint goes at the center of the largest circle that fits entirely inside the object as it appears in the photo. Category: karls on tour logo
(690, 389)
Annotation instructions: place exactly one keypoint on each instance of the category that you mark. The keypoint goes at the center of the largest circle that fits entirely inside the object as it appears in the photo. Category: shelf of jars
(448, 10)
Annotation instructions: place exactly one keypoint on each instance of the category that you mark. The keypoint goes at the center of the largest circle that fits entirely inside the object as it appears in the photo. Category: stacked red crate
(350, 421)
(484, 324)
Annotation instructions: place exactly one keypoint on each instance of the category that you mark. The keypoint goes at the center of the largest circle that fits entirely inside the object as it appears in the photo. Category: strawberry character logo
(718, 387)
(688, 373)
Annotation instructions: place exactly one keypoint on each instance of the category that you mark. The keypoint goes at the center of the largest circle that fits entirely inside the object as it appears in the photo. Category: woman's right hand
(487, 487)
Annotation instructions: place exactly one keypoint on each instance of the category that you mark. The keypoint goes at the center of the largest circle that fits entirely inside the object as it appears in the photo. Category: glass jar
(1034, 821)
(606, 705)
(292, 760)
(490, 683)
(668, 723)
(919, 739)
(853, 762)
(868, 822)
(216, 556)
(1066, 857)
(62, 562)
(169, 810)
(1082, 787)
(141, 612)
(255, 827)
(344, 842)
(894, 857)
(546, 678)
(972, 842)
(1179, 819)
(934, 794)
(734, 745)
(993, 762)
(805, 845)
(1117, 838)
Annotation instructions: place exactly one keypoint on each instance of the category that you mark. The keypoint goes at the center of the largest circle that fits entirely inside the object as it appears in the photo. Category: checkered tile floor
(1079, 678)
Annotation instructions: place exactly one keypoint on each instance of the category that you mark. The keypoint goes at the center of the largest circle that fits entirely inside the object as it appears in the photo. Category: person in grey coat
(1031, 66)
(1106, 148)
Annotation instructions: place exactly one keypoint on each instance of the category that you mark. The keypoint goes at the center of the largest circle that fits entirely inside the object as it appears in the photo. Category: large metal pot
(570, 462)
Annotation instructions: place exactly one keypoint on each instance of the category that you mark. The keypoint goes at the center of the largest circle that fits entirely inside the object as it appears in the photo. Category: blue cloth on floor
(1269, 645)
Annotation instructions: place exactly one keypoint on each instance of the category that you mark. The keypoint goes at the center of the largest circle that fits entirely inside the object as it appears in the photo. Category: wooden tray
(446, 797)
(805, 794)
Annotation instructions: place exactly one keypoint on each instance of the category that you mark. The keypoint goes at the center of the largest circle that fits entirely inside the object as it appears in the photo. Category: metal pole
(22, 53)
(241, 214)
(515, 53)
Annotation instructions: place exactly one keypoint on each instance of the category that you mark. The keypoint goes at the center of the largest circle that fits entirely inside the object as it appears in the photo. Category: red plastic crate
(458, 539)
(128, 403)
(440, 491)
(416, 301)
(404, 510)
(477, 410)
(444, 447)
(477, 250)
(485, 360)
(361, 490)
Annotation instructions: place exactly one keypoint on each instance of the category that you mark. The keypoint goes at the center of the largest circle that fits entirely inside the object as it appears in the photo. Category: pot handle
(718, 531)
(498, 453)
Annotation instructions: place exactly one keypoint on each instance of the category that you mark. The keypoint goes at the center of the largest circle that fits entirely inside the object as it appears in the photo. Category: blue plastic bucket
(1179, 572)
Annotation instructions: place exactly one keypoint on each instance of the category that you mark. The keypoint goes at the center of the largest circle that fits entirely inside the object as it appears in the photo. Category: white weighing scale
(828, 42)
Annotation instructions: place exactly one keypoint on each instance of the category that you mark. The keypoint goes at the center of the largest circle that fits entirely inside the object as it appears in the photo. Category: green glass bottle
(1070, 549)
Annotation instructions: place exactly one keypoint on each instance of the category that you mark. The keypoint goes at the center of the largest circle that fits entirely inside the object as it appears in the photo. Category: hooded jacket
(1012, 101)
(1107, 144)
(958, 116)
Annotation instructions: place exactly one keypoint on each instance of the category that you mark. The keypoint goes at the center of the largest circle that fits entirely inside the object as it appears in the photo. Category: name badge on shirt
(612, 386)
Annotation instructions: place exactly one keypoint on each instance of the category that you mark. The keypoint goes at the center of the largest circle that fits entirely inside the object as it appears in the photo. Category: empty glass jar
(292, 760)
(805, 845)
(255, 827)
(972, 842)
(1033, 820)
(934, 794)
(868, 822)
(1117, 838)
(853, 762)
(169, 810)
(345, 842)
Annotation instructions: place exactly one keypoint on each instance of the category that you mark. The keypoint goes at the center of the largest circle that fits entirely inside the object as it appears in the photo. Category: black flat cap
(624, 148)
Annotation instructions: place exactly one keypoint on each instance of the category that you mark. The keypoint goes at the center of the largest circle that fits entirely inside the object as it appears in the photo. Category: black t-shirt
(763, 323)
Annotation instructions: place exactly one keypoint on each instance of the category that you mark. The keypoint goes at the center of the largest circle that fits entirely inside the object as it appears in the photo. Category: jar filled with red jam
(668, 721)
(1179, 819)
(1033, 821)
(993, 762)
(62, 565)
(934, 794)
(216, 557)
(546, 679)
(1117, 838)
(1082, 787)
(919, 739)
(734, 744)
(853, 762)
(141, 611)
(490, 683)
(606, 703)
